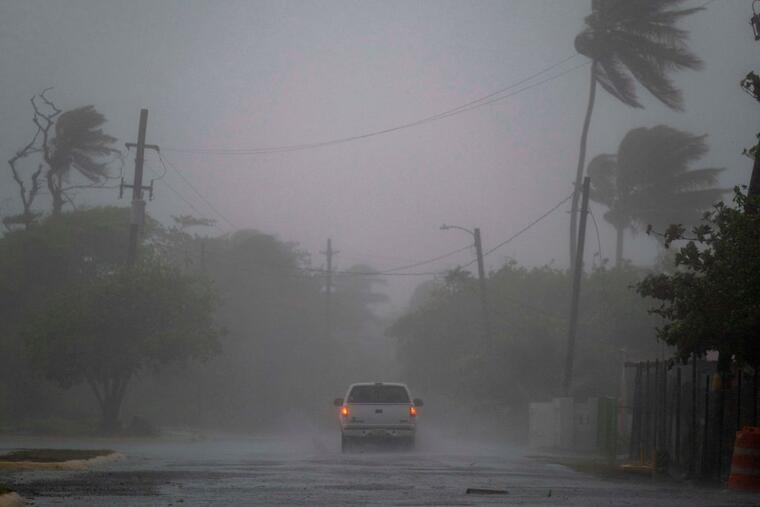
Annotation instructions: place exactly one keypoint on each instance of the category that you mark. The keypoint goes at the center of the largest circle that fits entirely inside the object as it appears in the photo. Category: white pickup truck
(379, 411)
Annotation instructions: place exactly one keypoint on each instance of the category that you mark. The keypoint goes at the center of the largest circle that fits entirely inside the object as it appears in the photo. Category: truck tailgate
(379, 414)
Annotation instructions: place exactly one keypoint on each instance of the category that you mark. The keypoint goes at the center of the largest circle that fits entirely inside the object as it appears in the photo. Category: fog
(288, 123)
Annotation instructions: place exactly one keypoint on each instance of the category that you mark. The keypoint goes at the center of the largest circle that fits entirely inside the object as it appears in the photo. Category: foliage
(79, 142)
(108, 328)
(712, 302)
(439, 339)
(631, 42)
(649, 181)
(273, 306)
(637, 41)
(270, 300)
(49, 257)
(185, 221)
(751, 84)
(69, 142)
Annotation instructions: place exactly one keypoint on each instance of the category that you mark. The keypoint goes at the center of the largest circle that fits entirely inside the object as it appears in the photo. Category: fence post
(636, 416)
(693, 436)
(739, 374)
(656, 401)
(706, 442)
(647, 415)
(664, 428)
(678, 416)
(754, 398)
(719, 415)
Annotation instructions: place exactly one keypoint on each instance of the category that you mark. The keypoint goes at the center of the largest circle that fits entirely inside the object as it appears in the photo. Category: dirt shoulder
(9, 498)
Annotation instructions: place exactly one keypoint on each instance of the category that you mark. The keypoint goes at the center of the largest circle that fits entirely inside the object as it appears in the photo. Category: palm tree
(79, 144)
(629, 42)
(649, 181)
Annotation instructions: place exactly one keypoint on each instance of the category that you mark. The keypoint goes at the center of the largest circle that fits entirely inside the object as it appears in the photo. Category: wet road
(312, 471)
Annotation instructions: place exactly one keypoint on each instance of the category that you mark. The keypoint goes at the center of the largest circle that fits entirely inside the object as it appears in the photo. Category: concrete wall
(565, 423)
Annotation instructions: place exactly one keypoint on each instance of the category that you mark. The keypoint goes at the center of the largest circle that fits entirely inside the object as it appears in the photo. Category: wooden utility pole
(328, 289)
(577, 272)
(137, 215)
(483, 291)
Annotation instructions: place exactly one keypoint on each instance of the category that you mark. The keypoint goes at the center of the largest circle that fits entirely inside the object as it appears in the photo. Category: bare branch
(50, 104)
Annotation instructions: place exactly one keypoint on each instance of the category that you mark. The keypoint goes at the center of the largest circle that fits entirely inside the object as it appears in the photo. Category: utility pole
(328, 289)
(483, 290)
(577, 272)
(475, 233)
(137, 215)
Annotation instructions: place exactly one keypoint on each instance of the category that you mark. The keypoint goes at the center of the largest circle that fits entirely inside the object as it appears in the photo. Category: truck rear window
(378, 394)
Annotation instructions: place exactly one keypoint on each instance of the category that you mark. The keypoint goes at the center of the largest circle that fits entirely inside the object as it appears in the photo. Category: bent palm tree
(630, 41)
(649, 181)
(79, 144)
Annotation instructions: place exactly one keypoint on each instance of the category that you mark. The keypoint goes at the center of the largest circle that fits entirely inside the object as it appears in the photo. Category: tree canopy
(712, 302)
(439, 339)
(629, 42)
(106, 329)
(650, 182)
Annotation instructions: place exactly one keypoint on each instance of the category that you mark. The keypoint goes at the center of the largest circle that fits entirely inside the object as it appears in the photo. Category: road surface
(312, 471)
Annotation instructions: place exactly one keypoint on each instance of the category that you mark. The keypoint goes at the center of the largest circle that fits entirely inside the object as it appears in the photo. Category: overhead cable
(474, 104)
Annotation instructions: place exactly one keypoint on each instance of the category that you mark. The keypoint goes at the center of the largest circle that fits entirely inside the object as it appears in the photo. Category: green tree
(79, 145)
(437, 339)
(712, 302)
(57, 252)
(649, 181)
(629, 42)
(106, 329)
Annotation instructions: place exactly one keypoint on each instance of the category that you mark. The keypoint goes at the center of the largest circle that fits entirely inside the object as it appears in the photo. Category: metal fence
(684, 417)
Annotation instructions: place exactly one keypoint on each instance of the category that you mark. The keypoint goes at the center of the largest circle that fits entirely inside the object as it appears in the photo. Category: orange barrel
(745, 464)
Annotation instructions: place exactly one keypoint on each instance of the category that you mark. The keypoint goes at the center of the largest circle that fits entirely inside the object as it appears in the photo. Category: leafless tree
(29, 188)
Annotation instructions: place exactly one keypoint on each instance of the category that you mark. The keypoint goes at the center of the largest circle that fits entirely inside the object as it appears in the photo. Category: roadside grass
(53, 455)
(4, 490)
(52, 426)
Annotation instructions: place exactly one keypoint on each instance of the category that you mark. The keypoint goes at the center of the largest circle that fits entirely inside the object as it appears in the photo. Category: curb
(74, 464)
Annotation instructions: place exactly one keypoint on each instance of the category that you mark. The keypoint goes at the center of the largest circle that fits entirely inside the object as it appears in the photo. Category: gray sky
(243, 74)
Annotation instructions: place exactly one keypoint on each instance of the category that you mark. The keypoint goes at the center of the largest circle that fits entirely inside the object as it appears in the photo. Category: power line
(474, 104)
(428, 261)
(182, 197)
(443, 272)
(197, 192)
(524, 229)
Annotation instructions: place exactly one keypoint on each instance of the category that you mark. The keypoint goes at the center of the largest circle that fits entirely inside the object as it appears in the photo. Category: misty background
(240, 75)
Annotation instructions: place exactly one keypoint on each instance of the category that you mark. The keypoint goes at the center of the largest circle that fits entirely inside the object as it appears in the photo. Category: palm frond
(637, 40)
(614, 80)
(79, 143)
(89, 168)
(650, 74)
(697, 178)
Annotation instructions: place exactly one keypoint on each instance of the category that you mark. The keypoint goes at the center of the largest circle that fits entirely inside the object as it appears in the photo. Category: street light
(445, 227)
(475, 233)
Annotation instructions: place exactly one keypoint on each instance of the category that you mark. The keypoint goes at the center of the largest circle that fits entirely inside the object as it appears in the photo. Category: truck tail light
(412, 411)
(344, 411)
